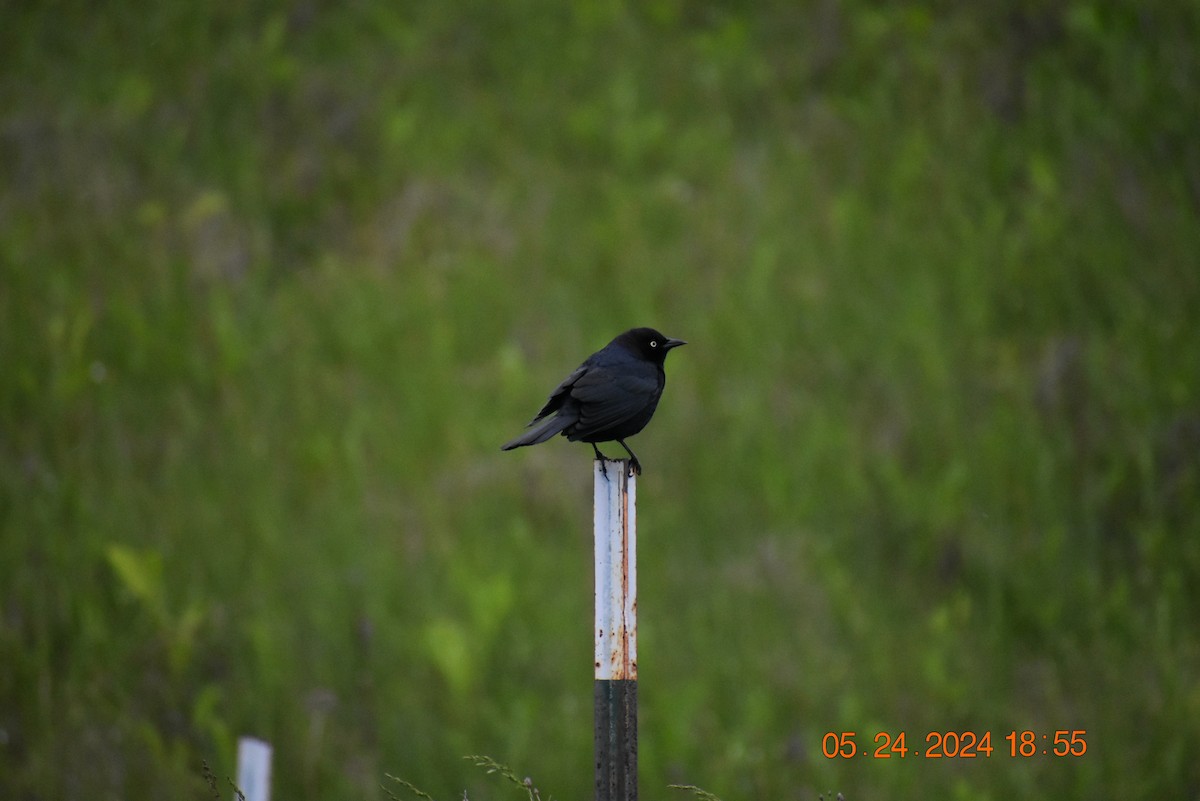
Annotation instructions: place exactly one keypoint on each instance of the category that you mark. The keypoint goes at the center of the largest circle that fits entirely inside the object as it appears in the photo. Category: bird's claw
(603, 460)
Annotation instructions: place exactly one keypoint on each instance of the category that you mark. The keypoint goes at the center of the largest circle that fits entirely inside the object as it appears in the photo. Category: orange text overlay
(955, 744)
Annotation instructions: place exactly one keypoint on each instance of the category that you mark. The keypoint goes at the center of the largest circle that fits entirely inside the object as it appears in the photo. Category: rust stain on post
(628, 588)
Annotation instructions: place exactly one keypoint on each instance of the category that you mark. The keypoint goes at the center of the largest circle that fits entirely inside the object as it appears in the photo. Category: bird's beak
(672, 343)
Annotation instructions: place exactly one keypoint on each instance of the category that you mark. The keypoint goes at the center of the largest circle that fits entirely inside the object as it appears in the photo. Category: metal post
(254, 769)
(615, 688)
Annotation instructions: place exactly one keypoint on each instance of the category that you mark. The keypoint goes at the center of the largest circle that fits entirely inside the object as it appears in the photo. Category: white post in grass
(615, 686)
(254, 769)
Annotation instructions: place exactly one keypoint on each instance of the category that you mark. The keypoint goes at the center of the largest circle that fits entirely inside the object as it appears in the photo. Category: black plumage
(609, 398)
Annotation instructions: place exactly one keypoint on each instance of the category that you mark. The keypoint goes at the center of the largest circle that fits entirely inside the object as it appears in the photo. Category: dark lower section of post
(616, 740)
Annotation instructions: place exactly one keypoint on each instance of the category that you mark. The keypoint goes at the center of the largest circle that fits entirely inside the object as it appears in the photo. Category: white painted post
(615, 686)
(615, 528)
(254, 769)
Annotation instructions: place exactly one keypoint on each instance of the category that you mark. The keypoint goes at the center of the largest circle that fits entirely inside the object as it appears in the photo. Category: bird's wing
(608, 397)
(560, 394)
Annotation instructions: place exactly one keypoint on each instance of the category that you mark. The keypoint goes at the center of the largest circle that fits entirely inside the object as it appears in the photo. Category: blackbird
(610, 397)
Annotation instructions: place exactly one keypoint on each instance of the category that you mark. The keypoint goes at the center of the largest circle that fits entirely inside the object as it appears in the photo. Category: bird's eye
(654, 343)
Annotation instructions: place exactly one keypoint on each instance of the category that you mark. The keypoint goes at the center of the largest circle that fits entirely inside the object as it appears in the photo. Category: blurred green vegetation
(277, 279)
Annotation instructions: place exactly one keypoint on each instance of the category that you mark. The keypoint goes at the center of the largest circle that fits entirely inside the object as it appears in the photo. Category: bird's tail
(540, 432)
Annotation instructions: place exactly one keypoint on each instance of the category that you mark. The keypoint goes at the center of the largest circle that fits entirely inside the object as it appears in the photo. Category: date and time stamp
(1061, 743)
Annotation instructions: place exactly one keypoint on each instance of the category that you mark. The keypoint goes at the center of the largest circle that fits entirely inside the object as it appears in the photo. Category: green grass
(276, 283)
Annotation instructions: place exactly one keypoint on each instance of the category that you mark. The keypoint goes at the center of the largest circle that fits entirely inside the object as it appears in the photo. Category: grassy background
(277, 280)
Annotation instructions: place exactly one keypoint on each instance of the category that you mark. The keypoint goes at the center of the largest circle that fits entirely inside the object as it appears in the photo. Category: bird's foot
(602, 459)
(635, 467)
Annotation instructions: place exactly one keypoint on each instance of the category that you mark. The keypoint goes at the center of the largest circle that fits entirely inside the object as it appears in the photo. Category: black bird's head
(648, 344)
